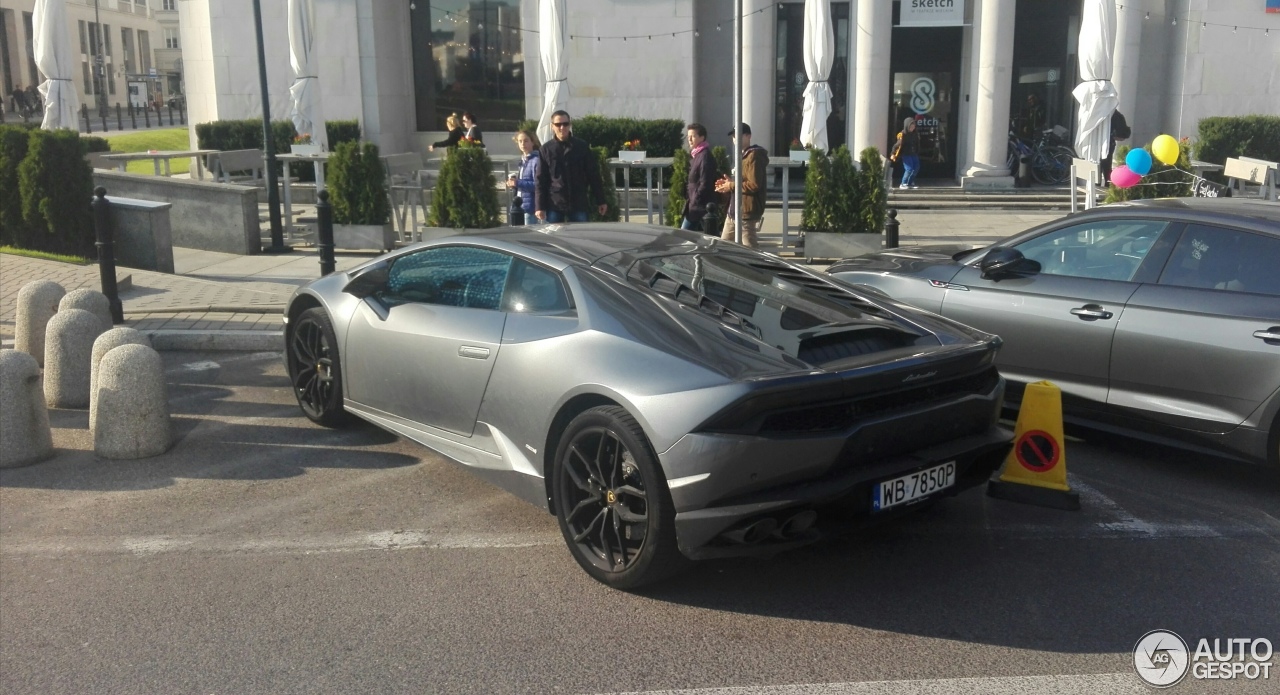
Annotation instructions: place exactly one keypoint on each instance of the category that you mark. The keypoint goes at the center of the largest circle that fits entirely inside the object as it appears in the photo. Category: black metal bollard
(891, 226)
(709, 220)
(133, 117)
(324, 224)
(170, 114)
(103, 113)
(182, 112)
(106, 252)
(1023, 175)
(146, 116)
(88, 122)
(119, 118)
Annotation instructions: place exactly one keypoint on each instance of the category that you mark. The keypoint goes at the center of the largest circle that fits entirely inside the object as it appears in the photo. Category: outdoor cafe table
(648, 164)
(318, 160)
(786, 164)
(157, 155)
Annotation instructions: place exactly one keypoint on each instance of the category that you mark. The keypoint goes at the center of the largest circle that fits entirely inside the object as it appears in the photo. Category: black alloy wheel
(612, 501)
(314, 368)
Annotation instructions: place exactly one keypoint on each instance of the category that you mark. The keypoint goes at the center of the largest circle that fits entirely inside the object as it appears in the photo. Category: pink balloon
(1124, 177)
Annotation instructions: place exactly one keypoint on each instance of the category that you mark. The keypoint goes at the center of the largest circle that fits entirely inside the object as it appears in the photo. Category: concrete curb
(212, 309)
(230, 341)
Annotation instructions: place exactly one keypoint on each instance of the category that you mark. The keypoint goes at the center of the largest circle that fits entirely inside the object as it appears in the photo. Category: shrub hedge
(874, 199)
(93, 143)
(466, 194)
(1221, 137)
(55, 185)
(13, 149)
(357, 185)
(840, 197)
(613, 213)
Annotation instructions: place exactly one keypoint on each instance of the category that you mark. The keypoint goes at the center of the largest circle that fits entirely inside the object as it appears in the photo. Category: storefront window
(791, 78)
(1044, 69)
(468, 56)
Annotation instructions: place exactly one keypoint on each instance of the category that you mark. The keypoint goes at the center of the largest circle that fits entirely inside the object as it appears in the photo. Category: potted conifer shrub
(358, 193)
(466, 194)
(840, 212)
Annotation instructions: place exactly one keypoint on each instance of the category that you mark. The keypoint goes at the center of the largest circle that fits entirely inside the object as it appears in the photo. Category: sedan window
(534, 289)
(1214, 258)
(461, 276)
(1102, 250)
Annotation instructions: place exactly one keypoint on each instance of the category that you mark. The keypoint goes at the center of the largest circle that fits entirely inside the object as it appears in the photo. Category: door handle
(1270, 336)
(475, 353)
(1091, 312)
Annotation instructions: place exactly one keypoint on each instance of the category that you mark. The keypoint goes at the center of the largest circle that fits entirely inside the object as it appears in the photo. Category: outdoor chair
(96, 160)
(237, 166)
(404, 188)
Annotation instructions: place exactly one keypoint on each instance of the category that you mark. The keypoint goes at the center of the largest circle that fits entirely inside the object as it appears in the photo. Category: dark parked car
(665, 394)
(1159, 318)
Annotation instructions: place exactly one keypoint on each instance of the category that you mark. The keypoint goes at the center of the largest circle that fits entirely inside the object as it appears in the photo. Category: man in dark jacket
(569, 176)
(701, 187)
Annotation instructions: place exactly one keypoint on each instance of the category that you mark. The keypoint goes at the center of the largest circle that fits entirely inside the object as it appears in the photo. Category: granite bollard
(113, 338)
(92, 301)
(68, 350)
(37, 303)
(132, 417)
(24, 420)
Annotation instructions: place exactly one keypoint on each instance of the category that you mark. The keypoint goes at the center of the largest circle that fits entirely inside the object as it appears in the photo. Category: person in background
(568, 176)
(525, 181)
(34, 101)
(701, 187)
(907, 151)
(455, 133)
(755, 171)
(1119, 131)
(472, 129)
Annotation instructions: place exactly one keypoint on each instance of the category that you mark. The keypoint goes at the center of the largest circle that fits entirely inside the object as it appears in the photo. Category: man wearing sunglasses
(569, 180)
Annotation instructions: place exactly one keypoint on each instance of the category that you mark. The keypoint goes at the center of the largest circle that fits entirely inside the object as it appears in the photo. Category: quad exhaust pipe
(767, 527)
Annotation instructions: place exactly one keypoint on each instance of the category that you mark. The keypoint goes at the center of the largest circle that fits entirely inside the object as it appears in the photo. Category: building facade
(402, 66)
(138, 62)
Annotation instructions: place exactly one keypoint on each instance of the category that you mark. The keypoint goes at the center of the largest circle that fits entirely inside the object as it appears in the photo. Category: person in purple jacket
(701, 188)
(525, 180)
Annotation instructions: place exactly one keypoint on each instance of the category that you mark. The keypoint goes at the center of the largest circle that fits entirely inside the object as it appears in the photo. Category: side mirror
(368, 280)
(1002, 261)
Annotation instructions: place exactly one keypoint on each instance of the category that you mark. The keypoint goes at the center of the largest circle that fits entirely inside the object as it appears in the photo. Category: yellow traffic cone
(1035, 471)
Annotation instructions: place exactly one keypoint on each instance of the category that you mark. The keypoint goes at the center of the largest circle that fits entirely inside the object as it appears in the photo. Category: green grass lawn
(167, 139)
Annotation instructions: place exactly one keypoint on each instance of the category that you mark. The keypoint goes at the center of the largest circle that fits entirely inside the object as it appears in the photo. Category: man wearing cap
(755, 168)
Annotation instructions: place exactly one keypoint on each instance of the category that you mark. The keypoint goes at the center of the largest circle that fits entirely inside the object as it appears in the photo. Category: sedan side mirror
(1001, 262)
(368, 280)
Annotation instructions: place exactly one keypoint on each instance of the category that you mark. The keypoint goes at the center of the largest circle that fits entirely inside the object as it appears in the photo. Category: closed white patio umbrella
(819, 53)
(552, 37)
(1097, 96)
(304, 93)
(53, 56)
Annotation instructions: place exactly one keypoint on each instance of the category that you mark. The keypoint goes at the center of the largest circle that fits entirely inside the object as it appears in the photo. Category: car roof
(586, 243)
(1240, 209)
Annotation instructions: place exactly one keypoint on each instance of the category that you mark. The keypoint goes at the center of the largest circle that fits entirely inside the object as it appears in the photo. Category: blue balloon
(1139, 161)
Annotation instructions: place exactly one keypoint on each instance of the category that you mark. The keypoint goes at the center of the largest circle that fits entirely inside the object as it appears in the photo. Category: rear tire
(612, 501)
(315, 370)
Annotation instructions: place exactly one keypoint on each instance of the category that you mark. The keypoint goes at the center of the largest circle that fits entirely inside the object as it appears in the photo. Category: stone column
(874, 28)
(758, 74)
(1124, 74)
(993, 27)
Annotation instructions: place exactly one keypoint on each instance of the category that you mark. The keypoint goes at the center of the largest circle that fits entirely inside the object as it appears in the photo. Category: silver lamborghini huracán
(666, 395)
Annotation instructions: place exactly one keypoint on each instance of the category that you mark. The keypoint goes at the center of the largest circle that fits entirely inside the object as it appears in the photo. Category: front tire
(315, 369)
(612, 501)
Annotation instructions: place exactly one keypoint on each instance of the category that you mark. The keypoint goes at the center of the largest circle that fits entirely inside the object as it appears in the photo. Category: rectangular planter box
(837, 246)
(632, 155)
(309, 150)
(364, 236)
(799, 155)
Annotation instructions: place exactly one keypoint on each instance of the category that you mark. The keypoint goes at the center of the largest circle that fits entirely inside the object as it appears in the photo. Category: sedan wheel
(612, 501)
(314, 368)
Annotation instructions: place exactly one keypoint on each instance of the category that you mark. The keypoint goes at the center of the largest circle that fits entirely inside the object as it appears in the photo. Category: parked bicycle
(1050, 160)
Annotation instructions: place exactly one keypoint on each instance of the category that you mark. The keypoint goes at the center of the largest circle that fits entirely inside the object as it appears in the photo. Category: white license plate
(908, 488)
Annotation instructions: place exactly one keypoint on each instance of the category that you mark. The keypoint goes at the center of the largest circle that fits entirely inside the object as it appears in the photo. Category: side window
(534, 289)
(461, 276)
(1102, 250)
(1214, 258)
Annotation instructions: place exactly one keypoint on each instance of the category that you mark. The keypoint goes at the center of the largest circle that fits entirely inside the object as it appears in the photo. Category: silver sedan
(667, 395)
(1157, 318)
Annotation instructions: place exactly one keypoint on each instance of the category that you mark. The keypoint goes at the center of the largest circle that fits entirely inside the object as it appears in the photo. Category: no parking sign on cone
(1035, 471)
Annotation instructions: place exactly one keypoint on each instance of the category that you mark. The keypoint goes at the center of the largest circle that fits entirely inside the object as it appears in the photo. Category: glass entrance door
(926, 84)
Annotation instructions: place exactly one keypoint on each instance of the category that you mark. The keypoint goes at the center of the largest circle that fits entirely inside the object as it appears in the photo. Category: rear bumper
(700, 531)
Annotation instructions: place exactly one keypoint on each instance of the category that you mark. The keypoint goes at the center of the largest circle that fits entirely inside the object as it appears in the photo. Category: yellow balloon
(1165, 148)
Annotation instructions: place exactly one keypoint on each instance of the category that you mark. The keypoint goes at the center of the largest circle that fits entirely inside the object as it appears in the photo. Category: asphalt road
(265, 555)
